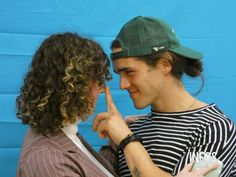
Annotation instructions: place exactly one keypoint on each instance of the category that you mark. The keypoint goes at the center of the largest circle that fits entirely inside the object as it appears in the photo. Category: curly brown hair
(56, 89)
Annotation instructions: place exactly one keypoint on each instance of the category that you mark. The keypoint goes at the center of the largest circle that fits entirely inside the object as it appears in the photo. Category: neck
(71, 128)
(176, 99)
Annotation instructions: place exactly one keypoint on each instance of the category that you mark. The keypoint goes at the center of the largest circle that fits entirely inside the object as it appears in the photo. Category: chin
(137, 106)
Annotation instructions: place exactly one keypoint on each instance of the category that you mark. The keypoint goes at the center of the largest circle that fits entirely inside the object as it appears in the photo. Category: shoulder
(43, 155)
(211, 115)
(218, 119)
(49, 161)
(219, 127)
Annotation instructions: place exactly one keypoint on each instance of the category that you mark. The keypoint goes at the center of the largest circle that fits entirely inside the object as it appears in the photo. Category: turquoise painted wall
(208, 26)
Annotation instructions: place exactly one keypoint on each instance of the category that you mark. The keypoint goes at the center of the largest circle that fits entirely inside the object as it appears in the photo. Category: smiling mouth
(132, 92)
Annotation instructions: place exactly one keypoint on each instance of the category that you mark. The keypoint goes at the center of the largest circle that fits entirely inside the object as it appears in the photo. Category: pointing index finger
(110, 104)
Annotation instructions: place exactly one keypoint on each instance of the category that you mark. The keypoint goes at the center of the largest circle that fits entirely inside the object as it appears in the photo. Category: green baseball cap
(148, 35)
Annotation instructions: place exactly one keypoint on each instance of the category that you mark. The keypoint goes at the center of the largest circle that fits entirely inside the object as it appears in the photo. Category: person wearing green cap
(151, 61)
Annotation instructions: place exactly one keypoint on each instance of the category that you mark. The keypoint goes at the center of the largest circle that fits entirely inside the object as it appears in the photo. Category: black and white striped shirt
(172, 139)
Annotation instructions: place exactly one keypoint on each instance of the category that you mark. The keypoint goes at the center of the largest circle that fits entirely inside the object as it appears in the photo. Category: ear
(164, 65)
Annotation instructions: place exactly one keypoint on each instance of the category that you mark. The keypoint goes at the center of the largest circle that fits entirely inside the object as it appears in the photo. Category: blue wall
(208, 26)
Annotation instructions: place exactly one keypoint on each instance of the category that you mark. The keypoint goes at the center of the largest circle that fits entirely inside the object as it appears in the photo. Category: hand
(187, 170)
(110, 124)
(132, 118)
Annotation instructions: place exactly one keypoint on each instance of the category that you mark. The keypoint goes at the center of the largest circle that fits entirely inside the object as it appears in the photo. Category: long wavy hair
(57, 87)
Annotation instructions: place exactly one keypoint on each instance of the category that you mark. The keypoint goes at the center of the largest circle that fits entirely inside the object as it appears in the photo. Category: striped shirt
(173, 139)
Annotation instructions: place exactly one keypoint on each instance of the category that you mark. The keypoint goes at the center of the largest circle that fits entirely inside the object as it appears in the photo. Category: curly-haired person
(60, 89)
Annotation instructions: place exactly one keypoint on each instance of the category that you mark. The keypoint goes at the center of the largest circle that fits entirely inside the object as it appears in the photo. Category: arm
(138, 160)
(111, 124)
(110, 150)
(140, 163)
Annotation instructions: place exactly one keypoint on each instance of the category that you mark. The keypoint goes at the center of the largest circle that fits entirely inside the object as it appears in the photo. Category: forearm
(140, 163)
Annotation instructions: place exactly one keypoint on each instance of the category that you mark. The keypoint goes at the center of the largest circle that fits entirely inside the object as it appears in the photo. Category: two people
(66, 75)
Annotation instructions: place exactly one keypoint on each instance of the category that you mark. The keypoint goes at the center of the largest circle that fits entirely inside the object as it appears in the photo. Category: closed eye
(129, 72)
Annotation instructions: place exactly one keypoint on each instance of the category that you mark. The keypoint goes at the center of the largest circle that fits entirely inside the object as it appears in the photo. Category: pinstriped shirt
(54, 156)
(172, 139)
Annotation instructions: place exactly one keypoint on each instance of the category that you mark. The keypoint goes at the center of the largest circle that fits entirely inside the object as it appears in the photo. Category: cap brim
(187, 52)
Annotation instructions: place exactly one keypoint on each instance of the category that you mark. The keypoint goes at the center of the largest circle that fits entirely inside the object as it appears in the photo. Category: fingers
(110, 104)
(187, 170)
(101, 132)
(188, 167)
(99, 118)
(132, 118)
(105, 122)
(208, 168)
(99, 124)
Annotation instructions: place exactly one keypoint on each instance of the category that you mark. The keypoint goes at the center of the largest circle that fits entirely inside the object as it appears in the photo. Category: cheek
(140, 81)
(136, 79)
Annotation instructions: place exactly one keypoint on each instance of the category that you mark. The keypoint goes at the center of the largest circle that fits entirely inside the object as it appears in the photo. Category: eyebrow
(121, 69)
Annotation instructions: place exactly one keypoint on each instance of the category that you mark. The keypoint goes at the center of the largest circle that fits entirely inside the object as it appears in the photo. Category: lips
(131, 93)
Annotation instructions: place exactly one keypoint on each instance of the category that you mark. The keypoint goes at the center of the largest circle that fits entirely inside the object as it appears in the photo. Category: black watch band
(129, 138)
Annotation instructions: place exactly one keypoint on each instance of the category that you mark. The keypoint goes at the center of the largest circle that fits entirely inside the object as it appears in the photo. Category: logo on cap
(156, 49)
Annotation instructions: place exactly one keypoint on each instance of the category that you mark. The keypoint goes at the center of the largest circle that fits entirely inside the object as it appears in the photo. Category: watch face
(207, 160)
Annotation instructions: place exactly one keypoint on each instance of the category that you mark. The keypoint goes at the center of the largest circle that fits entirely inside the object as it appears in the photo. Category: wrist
(128, 139)
(123, 135)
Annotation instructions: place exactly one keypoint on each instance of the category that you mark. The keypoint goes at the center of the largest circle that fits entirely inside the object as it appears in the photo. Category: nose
(124, 83)
(101, 89)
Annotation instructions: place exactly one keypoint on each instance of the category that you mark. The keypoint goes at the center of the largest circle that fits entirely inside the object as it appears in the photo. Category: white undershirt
(70, 131)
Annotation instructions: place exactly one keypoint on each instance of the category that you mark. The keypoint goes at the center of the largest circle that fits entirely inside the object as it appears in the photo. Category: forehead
(123, 64)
